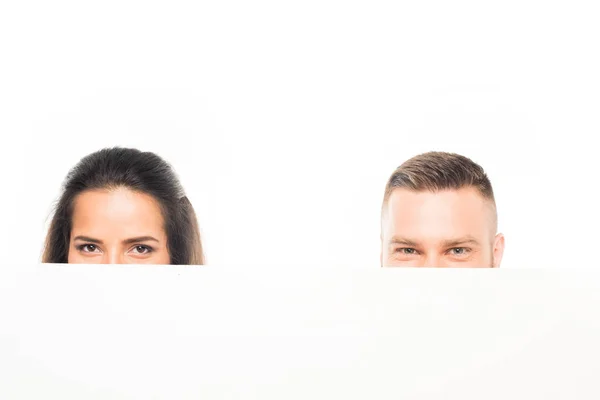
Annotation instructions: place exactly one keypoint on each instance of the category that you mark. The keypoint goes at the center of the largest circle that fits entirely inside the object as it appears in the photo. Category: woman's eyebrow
(88, 239)
(140, 239)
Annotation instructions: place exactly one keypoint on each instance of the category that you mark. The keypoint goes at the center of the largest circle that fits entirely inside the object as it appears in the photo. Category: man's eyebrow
(403, 241)
(87, 239)
(140, 239)
(461, 241)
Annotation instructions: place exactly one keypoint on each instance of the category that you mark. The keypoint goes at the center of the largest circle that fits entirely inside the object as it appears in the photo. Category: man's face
(451, 228)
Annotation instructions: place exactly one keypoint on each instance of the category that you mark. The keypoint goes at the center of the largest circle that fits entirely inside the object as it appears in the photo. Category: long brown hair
(140, 171)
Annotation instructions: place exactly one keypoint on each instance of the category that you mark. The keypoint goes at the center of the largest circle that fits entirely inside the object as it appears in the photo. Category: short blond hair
(435, 171)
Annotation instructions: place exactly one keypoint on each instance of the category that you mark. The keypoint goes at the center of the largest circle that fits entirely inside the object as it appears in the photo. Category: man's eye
(458, 251)
(406, 250)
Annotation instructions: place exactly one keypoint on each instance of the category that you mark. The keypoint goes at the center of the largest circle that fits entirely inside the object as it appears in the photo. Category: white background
(284, 120)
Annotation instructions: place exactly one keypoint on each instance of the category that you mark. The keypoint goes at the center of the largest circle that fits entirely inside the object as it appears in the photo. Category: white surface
(73, 332)
(284, 119)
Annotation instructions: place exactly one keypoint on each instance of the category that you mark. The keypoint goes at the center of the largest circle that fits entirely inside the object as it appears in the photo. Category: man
(439, 211)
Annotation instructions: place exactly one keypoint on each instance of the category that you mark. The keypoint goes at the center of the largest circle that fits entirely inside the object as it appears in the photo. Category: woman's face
(117, 227)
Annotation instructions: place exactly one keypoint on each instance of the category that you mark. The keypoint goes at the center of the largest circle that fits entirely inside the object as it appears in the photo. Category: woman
(123, 206)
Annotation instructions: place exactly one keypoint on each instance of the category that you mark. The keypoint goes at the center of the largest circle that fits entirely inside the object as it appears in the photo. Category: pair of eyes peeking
(91, 249)
(145, 249)
(455, 251)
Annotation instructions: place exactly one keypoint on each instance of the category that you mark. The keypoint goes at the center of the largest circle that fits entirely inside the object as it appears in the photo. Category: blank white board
(165, 332)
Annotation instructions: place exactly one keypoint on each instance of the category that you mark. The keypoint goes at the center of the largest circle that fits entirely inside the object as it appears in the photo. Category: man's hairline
(390, 191)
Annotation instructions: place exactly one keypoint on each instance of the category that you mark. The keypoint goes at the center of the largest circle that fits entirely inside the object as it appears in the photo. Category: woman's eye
(88, 248)
(142, 249)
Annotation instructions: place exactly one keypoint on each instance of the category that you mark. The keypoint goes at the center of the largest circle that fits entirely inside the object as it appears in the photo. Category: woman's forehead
(120, 210)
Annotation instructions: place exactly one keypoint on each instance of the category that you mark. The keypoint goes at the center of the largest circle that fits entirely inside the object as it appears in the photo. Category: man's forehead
(443, 214)
(406, 200)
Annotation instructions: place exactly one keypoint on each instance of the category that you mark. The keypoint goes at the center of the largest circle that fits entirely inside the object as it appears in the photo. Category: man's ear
(498, 250)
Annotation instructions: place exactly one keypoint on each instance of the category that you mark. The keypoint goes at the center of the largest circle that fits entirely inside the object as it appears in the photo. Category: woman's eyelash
(82, 247)
(147, 249)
